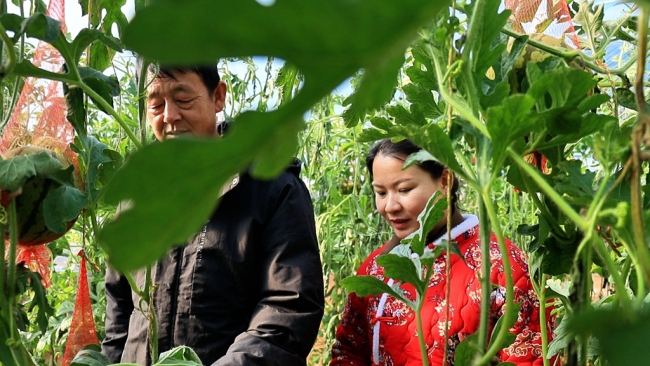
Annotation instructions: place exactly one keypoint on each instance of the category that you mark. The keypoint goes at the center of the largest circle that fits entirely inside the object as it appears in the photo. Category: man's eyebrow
(176, 89)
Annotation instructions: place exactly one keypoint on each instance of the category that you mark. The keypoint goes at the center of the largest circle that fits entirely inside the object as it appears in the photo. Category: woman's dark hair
(400, 150)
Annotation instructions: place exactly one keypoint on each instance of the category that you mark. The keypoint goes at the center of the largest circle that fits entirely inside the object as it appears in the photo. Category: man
(248, 288)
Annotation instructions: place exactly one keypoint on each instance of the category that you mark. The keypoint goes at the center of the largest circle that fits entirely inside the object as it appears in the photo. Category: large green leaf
(15, 171)
(90, 355)
(436, 141)
(38, 26)
(622, 336)
(327, 41)
(179, 356)
(510, 121)
(61, 206)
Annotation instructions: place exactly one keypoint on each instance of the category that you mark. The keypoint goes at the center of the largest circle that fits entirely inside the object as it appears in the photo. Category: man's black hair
(209, 74)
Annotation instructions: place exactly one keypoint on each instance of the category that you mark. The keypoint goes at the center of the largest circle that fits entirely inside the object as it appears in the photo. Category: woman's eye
(405, 190)
(380, 194)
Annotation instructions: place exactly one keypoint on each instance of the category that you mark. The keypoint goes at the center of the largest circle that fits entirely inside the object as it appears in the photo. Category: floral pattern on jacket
(397, 342)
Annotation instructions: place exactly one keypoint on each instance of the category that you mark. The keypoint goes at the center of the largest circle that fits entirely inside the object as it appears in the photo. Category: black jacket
(246, 290)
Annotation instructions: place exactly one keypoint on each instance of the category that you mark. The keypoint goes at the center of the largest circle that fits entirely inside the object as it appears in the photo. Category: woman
(381, 330)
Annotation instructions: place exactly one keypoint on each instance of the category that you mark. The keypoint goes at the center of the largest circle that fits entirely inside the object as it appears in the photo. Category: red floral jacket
(363, 338)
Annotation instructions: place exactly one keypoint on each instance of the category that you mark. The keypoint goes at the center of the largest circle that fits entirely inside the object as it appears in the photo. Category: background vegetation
(423, 77)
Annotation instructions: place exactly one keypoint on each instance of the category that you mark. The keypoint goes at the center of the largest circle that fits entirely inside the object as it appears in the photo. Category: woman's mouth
(400, 224)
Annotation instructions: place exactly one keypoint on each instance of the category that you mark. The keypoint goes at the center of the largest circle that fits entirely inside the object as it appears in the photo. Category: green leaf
(496, 97)
(371, 134)
(6, 356)
(510, 121)
(401, 269)
(368, 285)
(87, 36)
(566, 86)
(377, 86)
(622, 336)
(61, 206)
(45, 311)
(38, 26)
(405, 117)
(467, 351)
(90, 355)
(487, 54)
(381, 123)
(510, 337)
(15, 171)
(94, 158)
(423, 99)
(627, 98)
(76, 112)
(106, 86)
(436, 141)
(575, 184)
(432, 213)
(181, 356)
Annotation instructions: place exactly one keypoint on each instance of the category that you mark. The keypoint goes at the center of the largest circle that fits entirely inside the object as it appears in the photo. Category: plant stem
(570, 55)
(418, 316)
(541, 295)
(7, 68)
(149, 289)
(641, 134)
(486, 287)
(509, 314)
(99, 100)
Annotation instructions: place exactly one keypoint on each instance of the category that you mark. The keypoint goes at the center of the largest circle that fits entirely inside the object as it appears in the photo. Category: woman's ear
(447, 179)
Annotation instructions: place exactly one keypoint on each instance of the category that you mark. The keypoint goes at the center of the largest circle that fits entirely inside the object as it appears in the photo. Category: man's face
(181, 105)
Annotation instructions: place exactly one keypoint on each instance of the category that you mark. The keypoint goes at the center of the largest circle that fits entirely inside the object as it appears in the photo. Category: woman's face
(401, 195)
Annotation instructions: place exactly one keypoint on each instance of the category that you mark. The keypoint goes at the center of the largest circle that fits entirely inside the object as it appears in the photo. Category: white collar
(469, 222)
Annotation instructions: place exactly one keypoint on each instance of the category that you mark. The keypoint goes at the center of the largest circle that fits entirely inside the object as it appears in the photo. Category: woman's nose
(392, 204)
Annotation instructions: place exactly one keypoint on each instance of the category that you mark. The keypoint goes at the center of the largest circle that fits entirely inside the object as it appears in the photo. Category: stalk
(509, 314)
(486, 287)
(149, 289)
(418, 316)
(640, 135)
(14, 337)
(541, 294)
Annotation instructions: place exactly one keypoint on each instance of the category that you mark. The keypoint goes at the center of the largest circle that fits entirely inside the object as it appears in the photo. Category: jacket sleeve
(285, 322)
(119, 306)
(352, 339)
(526, 350)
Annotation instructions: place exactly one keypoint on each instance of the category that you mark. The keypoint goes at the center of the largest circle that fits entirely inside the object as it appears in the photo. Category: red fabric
(82, 328)
(37, 258)
(399, 344)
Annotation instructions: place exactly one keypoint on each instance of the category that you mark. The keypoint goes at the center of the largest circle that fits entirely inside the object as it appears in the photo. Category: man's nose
(172, 113)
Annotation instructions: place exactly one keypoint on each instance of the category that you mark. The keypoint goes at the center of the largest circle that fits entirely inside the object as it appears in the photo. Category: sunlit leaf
(369, 285)
(401, 269)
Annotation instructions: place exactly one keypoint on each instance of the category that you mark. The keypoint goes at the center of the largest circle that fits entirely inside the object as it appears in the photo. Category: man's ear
(219, 97)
